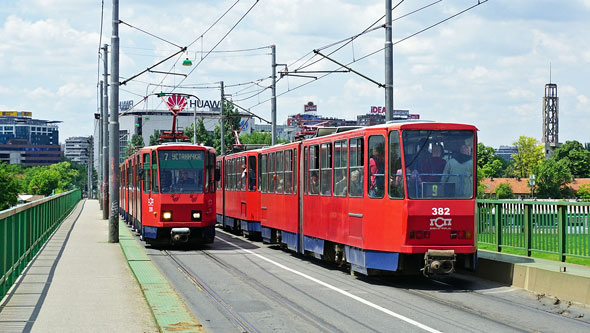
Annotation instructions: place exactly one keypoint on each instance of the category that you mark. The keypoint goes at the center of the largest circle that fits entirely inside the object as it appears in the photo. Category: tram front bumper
(180, 235)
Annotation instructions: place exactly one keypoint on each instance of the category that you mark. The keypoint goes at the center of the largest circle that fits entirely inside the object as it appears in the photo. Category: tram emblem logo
(175, 103)
(440, 223)
(150, 201)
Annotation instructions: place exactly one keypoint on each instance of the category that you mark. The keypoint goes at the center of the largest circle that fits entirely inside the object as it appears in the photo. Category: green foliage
(203, 137)
(135, 143)
(154, 138)
(231, 121)
(552, 178)
(528, 157)
(584, 192)
(44, 182)
(259, 138)
(504, 191)
(9, 185)
(576, 157)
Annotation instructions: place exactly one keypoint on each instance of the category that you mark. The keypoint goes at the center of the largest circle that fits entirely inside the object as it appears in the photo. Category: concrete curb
(168, 309)
(568, 282)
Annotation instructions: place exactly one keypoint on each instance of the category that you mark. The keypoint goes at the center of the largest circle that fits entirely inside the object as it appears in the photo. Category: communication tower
(550, 119)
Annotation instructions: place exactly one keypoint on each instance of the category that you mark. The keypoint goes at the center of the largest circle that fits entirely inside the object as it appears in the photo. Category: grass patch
(535, 254)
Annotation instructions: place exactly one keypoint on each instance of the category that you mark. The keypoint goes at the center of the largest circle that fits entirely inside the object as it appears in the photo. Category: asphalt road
(235, 285)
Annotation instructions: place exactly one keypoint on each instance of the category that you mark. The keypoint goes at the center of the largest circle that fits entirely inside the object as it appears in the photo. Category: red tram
(240, 193)
(395, 197)
(168, 193)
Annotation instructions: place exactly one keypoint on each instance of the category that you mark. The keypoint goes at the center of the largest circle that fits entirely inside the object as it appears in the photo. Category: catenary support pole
(114, 130)
(388, 63)
(222, 123)
(105, 137)
(273, 100)
(100, 155)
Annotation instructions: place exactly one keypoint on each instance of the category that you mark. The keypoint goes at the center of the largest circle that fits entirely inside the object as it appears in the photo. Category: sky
(487, 66)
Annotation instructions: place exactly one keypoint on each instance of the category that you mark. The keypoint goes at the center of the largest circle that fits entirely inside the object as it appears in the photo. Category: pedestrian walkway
(78, 283)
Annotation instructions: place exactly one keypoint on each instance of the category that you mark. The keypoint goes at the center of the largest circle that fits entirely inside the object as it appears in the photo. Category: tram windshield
(181, 171)
(438, 164)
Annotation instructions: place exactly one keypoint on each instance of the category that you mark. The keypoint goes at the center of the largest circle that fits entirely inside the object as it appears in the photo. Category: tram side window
(146, 173)
(210, 173)
(340, 164)
(314, 169)
(306, 170)
(295, 171)
(279, 178)
(356, 169)
(233, 173)
(326, 165)
(244, 174)
(395, 178)
(288, 171)
(251, 173)
(271, 173)
(376, 184)
(218, 164)
(155, 182)
(263, 173)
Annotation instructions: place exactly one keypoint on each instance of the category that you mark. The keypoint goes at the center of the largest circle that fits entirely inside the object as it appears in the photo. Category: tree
(231, 121)
(552, 178)
(135, 143)
(71, 175)
(528, 157)
(203, 137)
(10, 187)
(576, 156)
(44, 182)
(584, 192)
(154, 138)
(504, 191)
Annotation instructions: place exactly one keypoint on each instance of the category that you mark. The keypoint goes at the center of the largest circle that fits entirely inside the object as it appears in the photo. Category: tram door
(147, 208)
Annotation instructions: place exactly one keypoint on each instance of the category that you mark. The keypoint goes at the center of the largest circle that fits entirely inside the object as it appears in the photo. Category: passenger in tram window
(459, 170)
(433, 167)
(340, 187)
(314, 184)
(377, 170)
(356, 183)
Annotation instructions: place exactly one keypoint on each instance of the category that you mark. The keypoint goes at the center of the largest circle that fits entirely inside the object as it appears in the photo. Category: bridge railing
(24, 230)
(554, 227)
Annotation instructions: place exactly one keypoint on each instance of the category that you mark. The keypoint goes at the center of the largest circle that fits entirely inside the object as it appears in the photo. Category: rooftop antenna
(549, 71)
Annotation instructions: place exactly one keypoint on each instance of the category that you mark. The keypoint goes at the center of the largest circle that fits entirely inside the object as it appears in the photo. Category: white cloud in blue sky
(487, 67)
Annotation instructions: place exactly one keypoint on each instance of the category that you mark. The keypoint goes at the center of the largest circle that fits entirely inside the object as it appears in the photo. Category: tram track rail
(293, 308)
(232, 315)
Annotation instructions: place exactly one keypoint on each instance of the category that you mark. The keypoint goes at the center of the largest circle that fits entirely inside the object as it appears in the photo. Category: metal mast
(105, 137)
(114, 130)
(388, 63)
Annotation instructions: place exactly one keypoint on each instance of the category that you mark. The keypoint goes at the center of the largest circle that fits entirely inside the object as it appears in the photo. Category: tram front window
(181, 171)
(439, 164)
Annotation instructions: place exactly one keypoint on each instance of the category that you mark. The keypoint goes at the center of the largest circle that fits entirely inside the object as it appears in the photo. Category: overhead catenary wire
(480, 2)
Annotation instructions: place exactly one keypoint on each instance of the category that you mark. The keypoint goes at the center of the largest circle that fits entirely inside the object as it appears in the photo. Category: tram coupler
(179, 235)
(439, 262)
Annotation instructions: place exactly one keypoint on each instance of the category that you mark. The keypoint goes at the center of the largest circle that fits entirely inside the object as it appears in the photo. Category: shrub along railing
(25, 229)
(554, 227)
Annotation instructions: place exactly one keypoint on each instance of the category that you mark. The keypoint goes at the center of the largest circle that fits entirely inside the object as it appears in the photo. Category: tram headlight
(196, 215)
(166, 215)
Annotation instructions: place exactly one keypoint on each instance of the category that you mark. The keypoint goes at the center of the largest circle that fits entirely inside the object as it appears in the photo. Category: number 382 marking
(441, 211)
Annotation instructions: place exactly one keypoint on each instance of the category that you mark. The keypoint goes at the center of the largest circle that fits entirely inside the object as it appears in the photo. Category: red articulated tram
(240, 193)
(397, 197)
(168, 193)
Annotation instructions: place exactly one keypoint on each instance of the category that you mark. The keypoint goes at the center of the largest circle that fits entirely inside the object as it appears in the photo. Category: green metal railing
(25, 229)
(554, 227)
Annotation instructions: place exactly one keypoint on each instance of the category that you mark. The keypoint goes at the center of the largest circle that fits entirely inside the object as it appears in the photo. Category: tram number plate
(441, 211)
